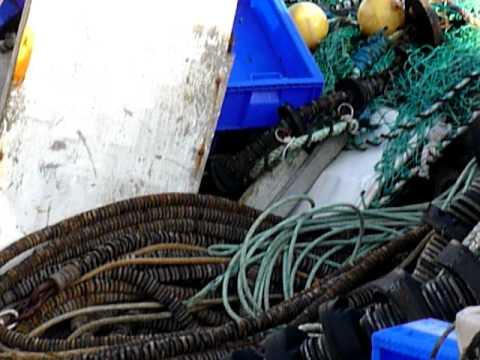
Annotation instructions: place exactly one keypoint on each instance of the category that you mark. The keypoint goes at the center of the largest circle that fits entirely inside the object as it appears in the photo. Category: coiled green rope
(331, 228)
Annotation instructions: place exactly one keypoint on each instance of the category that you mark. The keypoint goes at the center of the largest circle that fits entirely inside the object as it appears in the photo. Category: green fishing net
(427, 76)
(334, 55)
(430, 74)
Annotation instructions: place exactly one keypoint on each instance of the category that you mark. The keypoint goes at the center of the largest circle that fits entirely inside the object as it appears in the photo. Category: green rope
(383, 64)
(430, 75)
(333, 56)
(334, 229)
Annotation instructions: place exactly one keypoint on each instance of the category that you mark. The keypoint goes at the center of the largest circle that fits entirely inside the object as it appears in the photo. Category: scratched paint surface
(121, 99)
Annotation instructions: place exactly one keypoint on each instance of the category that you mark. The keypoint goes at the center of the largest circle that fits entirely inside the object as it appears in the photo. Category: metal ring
(11, 312)
(353, 126)
(285, 151)
(280, 139)
(349, 108)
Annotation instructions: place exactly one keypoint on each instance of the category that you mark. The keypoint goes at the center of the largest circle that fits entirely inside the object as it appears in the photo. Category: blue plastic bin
(272, 66)
(414, 341)
(9, 10)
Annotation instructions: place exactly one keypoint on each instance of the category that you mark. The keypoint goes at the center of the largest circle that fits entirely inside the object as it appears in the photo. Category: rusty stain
(201, 151)
(218, 83)
(58, 145)
(2, 164)
(200, 156)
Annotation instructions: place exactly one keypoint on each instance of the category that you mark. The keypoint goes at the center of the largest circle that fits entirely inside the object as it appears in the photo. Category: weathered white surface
(293, 178)
(261, 194)
(352, 174)
(121, 99)
(345, 179)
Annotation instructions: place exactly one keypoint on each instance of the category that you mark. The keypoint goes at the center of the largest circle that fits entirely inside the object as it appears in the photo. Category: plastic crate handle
(263, 99)
(266, 76)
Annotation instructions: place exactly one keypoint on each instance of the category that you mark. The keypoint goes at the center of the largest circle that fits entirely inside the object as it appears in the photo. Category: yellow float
(376, 15)
(311, 22)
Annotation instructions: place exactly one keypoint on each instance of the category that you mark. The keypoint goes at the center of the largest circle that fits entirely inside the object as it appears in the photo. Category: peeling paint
(90, 156)
(58, 145)
(128, 112)
(100, 141)
(50, 166)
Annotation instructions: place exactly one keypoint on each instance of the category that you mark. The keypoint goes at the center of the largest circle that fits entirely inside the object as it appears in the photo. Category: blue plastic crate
(272, 66)
(9, 10)
(414, 341)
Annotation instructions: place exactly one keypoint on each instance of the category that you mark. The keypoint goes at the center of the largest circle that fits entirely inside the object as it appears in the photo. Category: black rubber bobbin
(344, 337)
(460, 261)
(404, 292)
(446, 224)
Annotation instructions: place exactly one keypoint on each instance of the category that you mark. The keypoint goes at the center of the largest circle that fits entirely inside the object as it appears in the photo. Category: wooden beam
(292, 178)
(121, 99)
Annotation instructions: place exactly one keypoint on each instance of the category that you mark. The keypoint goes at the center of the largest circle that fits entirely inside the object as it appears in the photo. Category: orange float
(24, 55)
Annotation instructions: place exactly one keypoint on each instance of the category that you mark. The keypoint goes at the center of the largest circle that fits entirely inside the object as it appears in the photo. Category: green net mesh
(431, 74)
(334, 55)
(428, 75)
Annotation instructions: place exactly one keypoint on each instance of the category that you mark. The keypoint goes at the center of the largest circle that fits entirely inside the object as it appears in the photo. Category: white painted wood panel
(121, 99)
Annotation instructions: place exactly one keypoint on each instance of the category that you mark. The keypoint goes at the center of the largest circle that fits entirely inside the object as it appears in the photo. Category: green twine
(383, 64)
(431, 73)
(333, 56)
(334, 229)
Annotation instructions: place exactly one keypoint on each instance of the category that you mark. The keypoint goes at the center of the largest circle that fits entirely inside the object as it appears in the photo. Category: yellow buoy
(311, 22)
(376, 15)
(23, 59)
